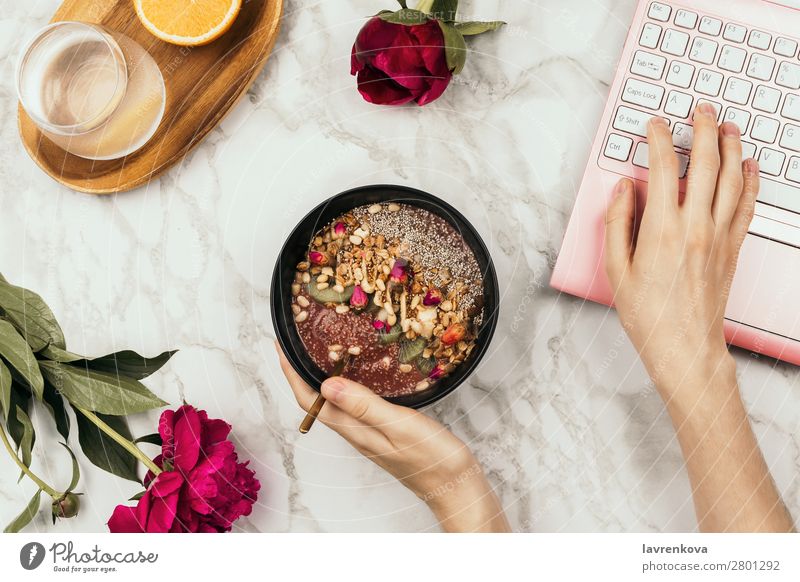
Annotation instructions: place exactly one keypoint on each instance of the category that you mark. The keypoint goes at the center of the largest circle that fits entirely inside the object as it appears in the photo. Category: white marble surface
(560, 412)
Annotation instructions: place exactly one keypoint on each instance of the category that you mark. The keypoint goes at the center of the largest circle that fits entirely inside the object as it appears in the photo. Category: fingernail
(707, 109)
(332, 389)
(751, 166)
(620, 187)
(730, 129)
(658, 121)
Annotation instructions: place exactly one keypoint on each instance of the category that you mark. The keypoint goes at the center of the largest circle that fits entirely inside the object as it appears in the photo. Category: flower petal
(124, 520)
(377, 88)
(187, 438)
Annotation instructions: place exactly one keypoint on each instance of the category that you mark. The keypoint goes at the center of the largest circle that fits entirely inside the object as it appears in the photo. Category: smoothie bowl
(394, 281)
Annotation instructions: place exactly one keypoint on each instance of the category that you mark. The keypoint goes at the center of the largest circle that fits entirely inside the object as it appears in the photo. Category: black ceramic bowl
(297, 245)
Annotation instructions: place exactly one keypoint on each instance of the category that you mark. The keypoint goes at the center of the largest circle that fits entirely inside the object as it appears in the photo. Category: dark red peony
(398, 63)
(204, 487)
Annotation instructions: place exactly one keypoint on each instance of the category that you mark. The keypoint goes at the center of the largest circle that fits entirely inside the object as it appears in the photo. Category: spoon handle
(313, 412)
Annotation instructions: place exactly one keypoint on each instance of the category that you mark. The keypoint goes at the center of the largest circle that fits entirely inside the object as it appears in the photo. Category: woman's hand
(672, 278)
(417, 450)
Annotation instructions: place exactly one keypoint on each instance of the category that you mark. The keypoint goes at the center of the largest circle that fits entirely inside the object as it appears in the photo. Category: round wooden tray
(203, 83)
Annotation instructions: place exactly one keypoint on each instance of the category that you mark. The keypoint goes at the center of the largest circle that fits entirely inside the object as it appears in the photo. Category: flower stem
(121, 440)
(33, 477)
(425, 6)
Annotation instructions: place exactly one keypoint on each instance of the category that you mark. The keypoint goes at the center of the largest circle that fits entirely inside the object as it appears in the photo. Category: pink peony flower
(204, 487)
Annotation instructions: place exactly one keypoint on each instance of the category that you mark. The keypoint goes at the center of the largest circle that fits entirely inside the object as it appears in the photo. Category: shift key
(632, 121)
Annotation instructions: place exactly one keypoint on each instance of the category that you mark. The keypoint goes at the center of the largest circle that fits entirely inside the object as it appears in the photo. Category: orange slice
(187, 22)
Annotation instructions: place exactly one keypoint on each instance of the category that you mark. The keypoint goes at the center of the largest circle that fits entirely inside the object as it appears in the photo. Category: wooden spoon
(313, 412)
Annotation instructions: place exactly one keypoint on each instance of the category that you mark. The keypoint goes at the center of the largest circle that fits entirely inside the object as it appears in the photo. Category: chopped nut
(380, 284)
(327, 271)
(306, 278)
(405, 368)
(334, 356)
(338, 288)
(366, 286)
(322, 286)
(301, 317)
(354, 350)
(446, 305)
(295, 289)
(302, 301)
(302, 266)
(405, 325)
(296, 309)
(322, 279)
(375, 209)
(394, 207)
(424, 385)
(355, 239)
(392, 319)
(342, 309)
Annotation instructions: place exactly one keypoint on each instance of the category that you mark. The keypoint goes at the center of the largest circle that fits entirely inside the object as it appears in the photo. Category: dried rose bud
(378, 324)
(358, 299)
(453, 334)
(339, 229)
(399, 273)
(432, 297)
(437, 372)
(67, 506)
(318, 258)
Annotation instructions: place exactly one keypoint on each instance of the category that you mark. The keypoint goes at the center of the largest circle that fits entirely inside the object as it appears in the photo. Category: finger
(740, 223)
(305, 396)
(362, 403)
(731, 179)
(662, 196)
(619, 232)
(704, 167)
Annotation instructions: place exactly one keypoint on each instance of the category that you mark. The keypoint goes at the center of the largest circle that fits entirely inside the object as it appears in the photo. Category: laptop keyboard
(751, 77)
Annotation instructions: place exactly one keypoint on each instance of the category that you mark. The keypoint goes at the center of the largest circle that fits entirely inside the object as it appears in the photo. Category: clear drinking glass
(94, 92)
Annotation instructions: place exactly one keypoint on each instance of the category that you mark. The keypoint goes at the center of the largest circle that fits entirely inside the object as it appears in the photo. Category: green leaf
(444, 9)
(473, 28)
(19, 356)
(53, 352)
(5, 389)
(153, 439)
(129, 363)
(31, 316)
(76, 470)
(27, 514)
(403, 4)
(28, 438)
(104, 452)
(455, 47)
(55, 404)
(20, 398)
(138, 496)
(99, 391)
(407, 17)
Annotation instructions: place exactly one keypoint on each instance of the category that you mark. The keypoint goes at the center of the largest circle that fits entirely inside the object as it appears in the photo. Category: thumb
(359, 401)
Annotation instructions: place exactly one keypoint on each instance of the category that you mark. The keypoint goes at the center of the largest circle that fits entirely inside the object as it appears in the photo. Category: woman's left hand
(421, 453)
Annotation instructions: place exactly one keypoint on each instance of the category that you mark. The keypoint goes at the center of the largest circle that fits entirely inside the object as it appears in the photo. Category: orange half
(187, 22)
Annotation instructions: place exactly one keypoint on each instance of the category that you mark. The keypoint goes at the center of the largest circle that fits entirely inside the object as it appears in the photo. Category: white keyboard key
(785, 47)
(648, 65)
(618, 147)
(734, 32)
(651, 34)
(739, 117)
(765, 129)
(761, 67)
(791, 107)
(759, 40)
(683, 136)
(678, 104)
(675, 42)
(641, 158)
(767, 99)
(732, 59)
(748, 150)
(703, 50)
(793, 172)
(708, 82)
(660, 12)
(738, 91)
(788, 75)
(644, 94)
(680, 74)
(632, 121)
(710, 26)
(685, 19)
(779, 194)
(771, 161)
(715, 105)
(780, 230)
(791, 137)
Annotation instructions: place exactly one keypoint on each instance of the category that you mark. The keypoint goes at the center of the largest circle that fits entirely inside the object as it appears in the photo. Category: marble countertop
(560, 413)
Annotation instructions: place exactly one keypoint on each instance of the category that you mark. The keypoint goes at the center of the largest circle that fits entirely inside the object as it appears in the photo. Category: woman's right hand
(422, 454)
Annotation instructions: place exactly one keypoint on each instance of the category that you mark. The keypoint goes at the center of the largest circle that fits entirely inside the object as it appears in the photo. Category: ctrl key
(618, 147)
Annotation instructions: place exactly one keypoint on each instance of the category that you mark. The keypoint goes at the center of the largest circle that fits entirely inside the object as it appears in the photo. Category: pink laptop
(743, 56)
